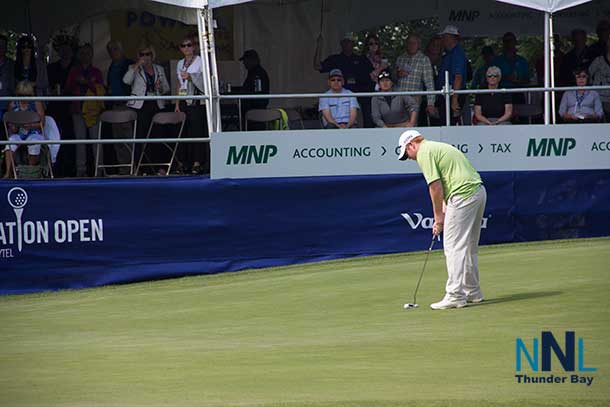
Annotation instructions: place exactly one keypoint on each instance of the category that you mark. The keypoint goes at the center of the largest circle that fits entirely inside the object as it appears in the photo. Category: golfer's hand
(437, 228)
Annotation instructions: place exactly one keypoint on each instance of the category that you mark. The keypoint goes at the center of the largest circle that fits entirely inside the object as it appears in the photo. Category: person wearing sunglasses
(582, 105)
(28, 67)
(147, 79)
(338, 112)
(393, 111)
(7, 79)
(493, 108)
(190, 82)
(375, 57)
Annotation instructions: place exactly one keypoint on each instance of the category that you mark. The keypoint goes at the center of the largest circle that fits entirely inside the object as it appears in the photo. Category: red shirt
(73, 88)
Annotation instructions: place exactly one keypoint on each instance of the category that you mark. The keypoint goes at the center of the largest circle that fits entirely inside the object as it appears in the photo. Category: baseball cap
(335, 72)
(249, 54)
(450, 29)
(405, 138)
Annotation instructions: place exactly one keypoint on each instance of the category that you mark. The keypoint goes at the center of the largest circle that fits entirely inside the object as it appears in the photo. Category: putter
(414, 303)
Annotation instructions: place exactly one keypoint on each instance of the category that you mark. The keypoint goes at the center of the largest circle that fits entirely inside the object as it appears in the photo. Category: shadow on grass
(517, 297)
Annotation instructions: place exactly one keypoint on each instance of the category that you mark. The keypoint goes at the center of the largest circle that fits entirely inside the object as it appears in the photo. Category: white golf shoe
(476, 297)
(447, 303)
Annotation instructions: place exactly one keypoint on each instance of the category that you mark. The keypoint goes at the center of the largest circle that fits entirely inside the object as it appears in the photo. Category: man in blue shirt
(356, 71)
(515, 68)
(454, 61)
(338, 112)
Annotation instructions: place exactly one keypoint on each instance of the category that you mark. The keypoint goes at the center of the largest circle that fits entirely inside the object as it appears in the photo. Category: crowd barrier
(86, 233)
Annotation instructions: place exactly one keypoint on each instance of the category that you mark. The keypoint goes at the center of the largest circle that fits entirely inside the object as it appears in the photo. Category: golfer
(453, 180)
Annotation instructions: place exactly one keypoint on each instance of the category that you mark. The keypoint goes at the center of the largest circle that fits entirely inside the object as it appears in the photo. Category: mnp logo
(546, 147)
(43, 231)
(568, 358)
(251, 154)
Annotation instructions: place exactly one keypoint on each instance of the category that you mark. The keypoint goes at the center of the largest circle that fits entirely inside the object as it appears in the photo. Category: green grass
(324, 334)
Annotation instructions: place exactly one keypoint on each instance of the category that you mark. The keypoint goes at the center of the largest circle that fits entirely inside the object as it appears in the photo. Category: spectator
(338, 112)
(116, 87)
(58, 74)
(434, 52)
(147, 79)
(493, 108)
(27, 132)
(454, 61)
(479, 78)
(515, 68)
(356, 70)
(190, 80)
(27, 68)
(256, 83)
(375, 57)
(603, 34)
(7, 80)
(578, 56)
(414, 72)
(118, 68)
(393, 111)
(580, 106)
(599, 72)
(85, 80)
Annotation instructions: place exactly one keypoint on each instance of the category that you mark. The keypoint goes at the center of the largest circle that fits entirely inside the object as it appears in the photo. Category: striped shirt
(420, 73)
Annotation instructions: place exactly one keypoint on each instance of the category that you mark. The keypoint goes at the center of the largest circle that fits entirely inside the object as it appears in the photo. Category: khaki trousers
(461, 234)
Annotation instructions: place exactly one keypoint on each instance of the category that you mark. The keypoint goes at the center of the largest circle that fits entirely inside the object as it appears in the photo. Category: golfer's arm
(437, 196)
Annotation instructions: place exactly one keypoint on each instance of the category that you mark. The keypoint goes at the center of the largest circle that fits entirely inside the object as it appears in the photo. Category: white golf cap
(450, 29)
(405, 138)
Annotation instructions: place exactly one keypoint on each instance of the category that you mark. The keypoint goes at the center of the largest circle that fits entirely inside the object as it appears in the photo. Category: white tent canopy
(550, 6)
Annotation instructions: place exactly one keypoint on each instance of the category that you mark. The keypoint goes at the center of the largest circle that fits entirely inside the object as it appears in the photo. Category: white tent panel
(185, 3)
(222, 3)
(550, 6)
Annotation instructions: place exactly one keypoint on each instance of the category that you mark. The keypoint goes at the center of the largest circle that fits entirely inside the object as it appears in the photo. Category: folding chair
(163, 118)
(21, 119)
(116, 117)
(294, 117)
(262, 116)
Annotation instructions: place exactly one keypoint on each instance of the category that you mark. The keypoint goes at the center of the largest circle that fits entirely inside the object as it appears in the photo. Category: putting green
(324, 334)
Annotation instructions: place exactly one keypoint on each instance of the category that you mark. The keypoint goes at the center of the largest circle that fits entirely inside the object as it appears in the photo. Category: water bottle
(258, 85)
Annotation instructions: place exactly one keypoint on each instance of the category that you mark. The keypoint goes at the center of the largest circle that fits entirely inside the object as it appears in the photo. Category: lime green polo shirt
(445, 162)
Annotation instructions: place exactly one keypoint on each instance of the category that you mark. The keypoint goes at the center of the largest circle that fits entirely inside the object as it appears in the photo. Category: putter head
(409, 306)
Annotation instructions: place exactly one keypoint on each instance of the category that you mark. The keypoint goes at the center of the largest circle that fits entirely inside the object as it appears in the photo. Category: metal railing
(446, 92)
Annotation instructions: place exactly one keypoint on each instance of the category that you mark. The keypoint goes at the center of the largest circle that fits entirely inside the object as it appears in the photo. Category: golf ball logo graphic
(17, 198)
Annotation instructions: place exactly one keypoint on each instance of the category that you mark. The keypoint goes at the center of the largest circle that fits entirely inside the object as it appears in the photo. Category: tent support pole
(552, 67)
(205, 68)
(547, 17)
(209, 14)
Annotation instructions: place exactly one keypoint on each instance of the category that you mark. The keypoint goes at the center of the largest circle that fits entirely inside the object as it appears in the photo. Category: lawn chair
(116, 117)
(164, 118)
(44, 167)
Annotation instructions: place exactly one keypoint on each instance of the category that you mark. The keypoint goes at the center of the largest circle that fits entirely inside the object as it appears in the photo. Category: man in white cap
(455, 62)
(454, 181)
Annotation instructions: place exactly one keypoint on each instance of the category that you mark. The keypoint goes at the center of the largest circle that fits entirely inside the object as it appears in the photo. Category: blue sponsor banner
(78, 233)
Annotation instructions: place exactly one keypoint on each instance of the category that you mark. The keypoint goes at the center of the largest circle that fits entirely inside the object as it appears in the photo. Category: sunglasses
(145, 54)
(187, 45)
(336, 80)
(493, 76)
(373, 43)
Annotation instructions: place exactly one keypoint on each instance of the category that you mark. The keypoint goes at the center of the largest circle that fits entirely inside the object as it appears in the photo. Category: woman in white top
(190, 82)
(147, 79)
